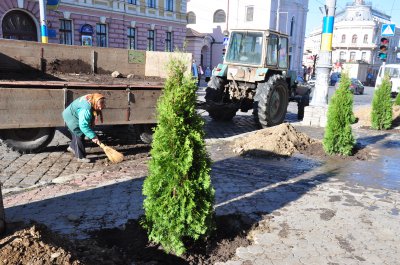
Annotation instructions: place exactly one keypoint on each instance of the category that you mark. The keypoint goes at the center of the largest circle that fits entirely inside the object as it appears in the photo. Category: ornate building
(158, 25)
(210, 21)
(356, 39)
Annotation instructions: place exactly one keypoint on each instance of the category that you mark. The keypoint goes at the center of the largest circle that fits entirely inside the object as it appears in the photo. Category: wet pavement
(310, 210)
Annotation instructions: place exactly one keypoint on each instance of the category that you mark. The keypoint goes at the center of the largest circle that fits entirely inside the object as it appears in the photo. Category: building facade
(356, 39)
(156, 25)
(209, 23)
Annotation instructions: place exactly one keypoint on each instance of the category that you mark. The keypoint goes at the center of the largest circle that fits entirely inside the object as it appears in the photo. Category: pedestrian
(200, 72)
(195, 71)
(370, 76)
(207, 74)
(80, 117)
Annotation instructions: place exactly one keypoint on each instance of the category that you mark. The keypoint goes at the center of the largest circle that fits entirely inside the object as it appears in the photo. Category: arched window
(366, 38)
(219, 16)
(18, 25)
(354, 39)
(291, 26)
(343, 38)
(191, 18)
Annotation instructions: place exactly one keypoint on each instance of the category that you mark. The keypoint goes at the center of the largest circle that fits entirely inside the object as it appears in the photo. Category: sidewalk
(310, 211)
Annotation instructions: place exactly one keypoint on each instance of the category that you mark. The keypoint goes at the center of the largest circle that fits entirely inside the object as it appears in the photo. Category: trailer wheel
(271, 101)
(27, 140)
(218, 106)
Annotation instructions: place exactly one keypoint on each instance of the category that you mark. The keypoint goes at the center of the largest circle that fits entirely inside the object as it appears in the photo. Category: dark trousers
(78, 145)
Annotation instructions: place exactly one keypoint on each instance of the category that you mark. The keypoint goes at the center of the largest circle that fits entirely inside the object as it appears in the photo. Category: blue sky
(314, 16)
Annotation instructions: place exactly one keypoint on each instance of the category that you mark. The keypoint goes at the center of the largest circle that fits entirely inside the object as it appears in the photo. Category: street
(308, 210)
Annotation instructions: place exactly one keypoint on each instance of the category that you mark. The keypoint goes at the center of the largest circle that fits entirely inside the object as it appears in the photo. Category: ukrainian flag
(53, 4)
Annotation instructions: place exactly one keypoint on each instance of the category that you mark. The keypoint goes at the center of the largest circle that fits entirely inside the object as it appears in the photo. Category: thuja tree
(381, 116)
(178, 193)
(338, 137)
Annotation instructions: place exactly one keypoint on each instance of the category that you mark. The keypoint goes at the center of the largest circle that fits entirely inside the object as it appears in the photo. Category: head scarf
(92, 99)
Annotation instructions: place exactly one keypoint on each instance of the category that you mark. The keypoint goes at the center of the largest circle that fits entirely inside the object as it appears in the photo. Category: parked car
(356, 87)
(311, 82)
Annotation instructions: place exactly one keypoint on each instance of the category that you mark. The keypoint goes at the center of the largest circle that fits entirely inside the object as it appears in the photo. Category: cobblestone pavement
(310, 211)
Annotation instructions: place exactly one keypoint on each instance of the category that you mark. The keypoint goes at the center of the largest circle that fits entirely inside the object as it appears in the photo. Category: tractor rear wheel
(271, 101)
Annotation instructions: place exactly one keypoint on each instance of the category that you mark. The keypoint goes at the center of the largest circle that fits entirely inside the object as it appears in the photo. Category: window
(133, 2)
(246, 47)
(150, 40)
(169, 5)
(272, 50)
(342, 56)
(354, 39)
(65, 31)
(168, 42)
(343, 38)
(364, 56)
(365, 38)
(132, 38)
(219, 16)
(352, 56)
(291, 27)
(249, 13)
(151, 3)
(283, 44)
(191, 18)
(101, 35)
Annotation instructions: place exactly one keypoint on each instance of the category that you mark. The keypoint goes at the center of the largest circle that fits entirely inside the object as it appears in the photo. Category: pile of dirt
(32, 246)
(36, 244)
(360, 152)
(280, 140)
(363, 115)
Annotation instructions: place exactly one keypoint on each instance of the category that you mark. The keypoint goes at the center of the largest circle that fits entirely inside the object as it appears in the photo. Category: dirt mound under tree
(280, 140)
(363, 114)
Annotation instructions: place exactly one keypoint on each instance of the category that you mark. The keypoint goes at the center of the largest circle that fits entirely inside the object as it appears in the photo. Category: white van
(393, 70)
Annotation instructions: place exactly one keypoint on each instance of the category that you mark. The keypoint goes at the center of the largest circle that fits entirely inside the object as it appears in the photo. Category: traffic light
(383, 49)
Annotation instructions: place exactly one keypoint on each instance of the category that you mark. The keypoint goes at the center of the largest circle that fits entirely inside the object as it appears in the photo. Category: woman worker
(80, 116)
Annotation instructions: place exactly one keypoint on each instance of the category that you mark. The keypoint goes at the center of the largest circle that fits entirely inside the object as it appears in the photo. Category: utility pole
(324, 65)
(43, 25)
(316, 113)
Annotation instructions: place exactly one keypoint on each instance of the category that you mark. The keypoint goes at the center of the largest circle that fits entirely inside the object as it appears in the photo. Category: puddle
(381, 172)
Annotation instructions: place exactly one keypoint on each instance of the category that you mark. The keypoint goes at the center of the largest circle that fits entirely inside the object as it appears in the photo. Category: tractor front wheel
(218, 105)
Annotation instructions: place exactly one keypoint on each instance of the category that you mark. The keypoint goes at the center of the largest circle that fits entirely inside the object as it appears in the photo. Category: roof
(192, 33)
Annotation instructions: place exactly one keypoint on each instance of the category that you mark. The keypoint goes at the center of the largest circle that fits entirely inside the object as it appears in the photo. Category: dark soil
(79, 76)
(36, 244)
(316, 149)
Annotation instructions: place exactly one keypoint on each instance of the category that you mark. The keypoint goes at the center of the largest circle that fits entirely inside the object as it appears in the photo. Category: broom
(112, 154)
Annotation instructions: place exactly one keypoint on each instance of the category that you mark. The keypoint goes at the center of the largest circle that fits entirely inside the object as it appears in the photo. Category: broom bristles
(112, 154)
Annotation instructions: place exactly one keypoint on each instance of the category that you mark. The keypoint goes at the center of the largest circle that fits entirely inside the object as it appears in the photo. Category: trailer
(30, 111)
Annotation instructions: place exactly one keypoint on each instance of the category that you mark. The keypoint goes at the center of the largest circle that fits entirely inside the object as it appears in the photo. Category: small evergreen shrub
(178, 193)
(338, 137)
(381, 116)
(397, 100)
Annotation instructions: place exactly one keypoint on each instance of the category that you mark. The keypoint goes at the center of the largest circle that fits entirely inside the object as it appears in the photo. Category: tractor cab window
(283, 47)
(245, 47)
(272, 50)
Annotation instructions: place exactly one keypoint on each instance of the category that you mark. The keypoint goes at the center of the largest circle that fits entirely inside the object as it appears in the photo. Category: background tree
(338, 137)
(381, 116)
(179, 195)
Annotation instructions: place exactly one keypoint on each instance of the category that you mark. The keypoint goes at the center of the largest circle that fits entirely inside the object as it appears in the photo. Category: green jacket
(78, 117)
